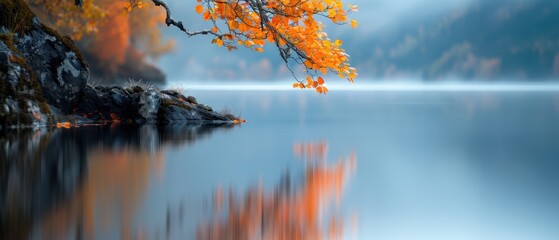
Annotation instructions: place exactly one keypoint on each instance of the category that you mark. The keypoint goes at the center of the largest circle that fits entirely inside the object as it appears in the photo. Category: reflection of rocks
(38, 170)
(41, 168)
(147, 136)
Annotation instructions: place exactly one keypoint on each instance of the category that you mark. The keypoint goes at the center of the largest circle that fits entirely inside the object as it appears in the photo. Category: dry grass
(92, 83)
(179, 89)
(227, 112)
(130, 83)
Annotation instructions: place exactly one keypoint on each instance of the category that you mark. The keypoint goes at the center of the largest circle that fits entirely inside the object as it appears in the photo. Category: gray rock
(174, 93)
(210, 115)
(60, 72)
(173, 113)
(191, 99)
(148, 105)
(118, 98)
(20, 99)
(205, 107)
(137, 89)
(11, 71)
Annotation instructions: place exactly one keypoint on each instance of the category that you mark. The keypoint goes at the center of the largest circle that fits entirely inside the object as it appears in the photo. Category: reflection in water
(81, 181)
(91, 182)
(306, 209)
(439, 166)
(109, 195)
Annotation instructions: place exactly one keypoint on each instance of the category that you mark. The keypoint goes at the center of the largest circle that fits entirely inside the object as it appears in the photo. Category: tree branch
(170, 21)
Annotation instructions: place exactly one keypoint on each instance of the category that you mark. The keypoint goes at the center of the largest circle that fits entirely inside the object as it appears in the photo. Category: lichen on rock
(38, 69)
(148, 105)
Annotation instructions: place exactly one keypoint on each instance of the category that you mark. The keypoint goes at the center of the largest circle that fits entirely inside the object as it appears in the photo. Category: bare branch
(170, 21)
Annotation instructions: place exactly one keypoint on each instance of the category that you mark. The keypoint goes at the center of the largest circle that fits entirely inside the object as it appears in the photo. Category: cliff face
(41, 72)
(43, 81)
(57, 65)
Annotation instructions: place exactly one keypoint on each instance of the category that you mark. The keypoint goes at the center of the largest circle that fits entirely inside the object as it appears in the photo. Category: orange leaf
(353, 23)
(206, 16)
(219, 42)
(199, 9)
(309, 81)
(322, 89)
(320, 80)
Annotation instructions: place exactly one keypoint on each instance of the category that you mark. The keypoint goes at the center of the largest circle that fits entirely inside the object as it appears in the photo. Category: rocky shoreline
(43, 82)
(102, 104)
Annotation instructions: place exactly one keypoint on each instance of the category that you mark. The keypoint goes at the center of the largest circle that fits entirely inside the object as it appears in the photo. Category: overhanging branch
(170, 21)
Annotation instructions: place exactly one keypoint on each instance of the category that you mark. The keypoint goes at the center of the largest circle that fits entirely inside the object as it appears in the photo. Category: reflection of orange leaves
(289, 212)
(314, 151)
(116, 177)
(115, 118)
(63, 125)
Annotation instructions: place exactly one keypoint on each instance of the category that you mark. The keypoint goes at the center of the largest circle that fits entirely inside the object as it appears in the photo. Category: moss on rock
(67, 41)
(16, 16)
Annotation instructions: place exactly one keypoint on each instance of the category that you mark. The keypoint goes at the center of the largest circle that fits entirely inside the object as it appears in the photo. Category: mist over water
(353, 165)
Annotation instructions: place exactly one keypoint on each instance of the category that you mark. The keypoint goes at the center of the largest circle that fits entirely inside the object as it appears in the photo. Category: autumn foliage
(109, 35)
(294, 27)
(291, 25)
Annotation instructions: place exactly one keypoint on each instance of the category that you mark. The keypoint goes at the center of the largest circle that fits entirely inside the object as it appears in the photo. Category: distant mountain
(487, 40)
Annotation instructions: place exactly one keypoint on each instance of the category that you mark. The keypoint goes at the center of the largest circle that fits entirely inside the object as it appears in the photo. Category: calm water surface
(351, 165)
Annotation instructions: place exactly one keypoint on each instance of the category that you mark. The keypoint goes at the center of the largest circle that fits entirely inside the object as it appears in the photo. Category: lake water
(351, 165)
